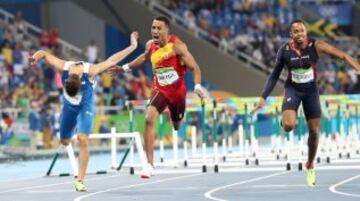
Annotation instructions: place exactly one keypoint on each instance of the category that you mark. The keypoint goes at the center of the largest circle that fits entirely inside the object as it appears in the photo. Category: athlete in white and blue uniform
(78, 108)
(77, 111)
(300, 56)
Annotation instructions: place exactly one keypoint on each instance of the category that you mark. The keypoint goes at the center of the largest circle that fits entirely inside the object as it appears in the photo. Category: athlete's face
(298, 33)
(159, 32)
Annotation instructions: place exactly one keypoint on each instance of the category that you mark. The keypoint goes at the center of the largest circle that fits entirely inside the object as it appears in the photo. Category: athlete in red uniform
(170, 59)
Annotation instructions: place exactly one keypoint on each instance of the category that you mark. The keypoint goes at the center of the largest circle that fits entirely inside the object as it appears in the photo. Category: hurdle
(113, 136)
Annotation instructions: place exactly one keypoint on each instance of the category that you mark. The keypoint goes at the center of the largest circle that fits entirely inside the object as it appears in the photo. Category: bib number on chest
(301, 75)
(166, 76)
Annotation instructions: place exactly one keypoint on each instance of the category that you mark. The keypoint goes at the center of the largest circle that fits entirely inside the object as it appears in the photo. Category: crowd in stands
(258, 28)
(254, 27)
(21, 85)
(37, 90)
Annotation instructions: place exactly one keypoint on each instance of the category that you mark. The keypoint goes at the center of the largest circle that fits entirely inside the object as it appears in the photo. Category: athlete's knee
(288, 125)
(65, 142)
(314, 131)
(82, 140)
(150, 119)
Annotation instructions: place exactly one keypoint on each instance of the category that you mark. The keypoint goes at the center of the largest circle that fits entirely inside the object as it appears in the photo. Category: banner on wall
(339, 13)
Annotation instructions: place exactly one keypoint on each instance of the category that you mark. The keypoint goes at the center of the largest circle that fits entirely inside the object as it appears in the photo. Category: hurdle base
(288, 166)
(216, 168)
(328, 159)
(300, 166)
(101, 172)
(64, 175)
(204, 168)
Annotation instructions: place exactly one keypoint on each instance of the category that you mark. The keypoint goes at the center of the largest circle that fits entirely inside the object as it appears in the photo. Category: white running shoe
(148, 172)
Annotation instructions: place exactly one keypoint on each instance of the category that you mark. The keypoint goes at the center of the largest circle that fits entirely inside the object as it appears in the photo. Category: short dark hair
(163, 19)
(72, 84)
(296, 21)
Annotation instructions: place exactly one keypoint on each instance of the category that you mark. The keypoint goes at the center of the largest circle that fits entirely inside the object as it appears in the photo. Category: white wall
(76, 25)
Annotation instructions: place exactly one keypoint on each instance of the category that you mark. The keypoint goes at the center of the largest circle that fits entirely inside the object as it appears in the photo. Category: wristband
(126, 67)
(198, 86)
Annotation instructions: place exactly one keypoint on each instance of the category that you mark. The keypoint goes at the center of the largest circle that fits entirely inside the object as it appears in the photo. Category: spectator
(34, 124)
(44, 39)
(7, 53)
(27, 43)
(20, 27)
(145, 85)
(53, 38)
(58, 82)
(49, 75)
(45, 118)
(92, 52)
(103, 128)
(106, 82)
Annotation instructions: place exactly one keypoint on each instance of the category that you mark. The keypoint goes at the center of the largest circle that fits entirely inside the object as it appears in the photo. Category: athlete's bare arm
(185, 56)
(183, 53)
(326, 48)
(50, 59)
(141, 59)
(115, 58)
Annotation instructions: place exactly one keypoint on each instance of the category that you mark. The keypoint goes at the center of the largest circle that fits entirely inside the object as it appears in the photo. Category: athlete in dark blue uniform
(300, 56)
(78, 108)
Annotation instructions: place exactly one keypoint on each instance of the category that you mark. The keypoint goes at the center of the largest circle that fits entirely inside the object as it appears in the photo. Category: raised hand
(134, 39)
(114, 71)
(258, 106)
(33, 59)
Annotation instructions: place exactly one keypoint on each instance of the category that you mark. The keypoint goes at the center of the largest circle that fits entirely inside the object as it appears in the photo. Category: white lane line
(277, 186)
(135, 185)
(20, 179)
(252, 169)
(209, 196)
(58, 191)
(56, 184)
(338, 167)
(333, 187)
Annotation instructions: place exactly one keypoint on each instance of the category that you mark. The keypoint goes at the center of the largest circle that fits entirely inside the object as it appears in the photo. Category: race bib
(301, 75)
(166, 76)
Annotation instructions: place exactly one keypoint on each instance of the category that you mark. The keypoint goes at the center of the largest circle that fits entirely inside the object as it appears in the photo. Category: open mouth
(155, 38)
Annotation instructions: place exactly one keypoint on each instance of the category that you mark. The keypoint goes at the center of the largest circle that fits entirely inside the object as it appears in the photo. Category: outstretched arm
(142, 58)
(271, 81)
(115, 58)
(326, 48)
(52, 60)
